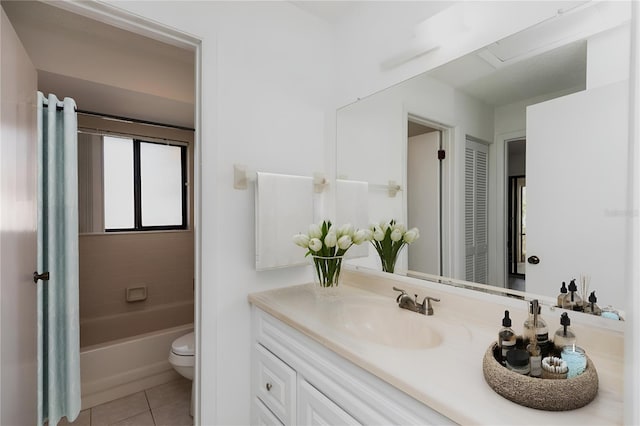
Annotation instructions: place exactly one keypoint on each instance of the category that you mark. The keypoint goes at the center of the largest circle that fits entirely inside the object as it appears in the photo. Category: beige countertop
(365, 326)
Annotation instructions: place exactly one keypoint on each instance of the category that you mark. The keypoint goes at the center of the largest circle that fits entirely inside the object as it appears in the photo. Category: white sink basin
(383, 322)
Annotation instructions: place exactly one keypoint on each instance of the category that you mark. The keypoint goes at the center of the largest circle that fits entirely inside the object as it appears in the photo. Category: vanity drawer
(276, 383)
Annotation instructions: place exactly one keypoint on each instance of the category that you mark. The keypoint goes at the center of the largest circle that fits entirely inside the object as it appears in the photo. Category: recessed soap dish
(542, 394)
(136, 294)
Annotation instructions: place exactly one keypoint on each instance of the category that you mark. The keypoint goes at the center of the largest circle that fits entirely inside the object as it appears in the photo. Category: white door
(423, 201)
(476, 177)
(576, 196)
(17, 232)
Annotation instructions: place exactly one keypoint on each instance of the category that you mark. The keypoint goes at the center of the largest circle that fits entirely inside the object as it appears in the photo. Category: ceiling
(333, 12)
(561, 69)
(117, 72)
(104, 68)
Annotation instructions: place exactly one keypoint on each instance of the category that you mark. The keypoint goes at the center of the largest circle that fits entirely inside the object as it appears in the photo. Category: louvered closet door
(476, 166)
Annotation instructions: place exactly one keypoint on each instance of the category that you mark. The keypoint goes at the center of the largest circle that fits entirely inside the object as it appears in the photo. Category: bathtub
(121, 367)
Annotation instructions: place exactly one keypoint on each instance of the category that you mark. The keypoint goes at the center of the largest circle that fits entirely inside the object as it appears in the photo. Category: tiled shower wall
(161, 261)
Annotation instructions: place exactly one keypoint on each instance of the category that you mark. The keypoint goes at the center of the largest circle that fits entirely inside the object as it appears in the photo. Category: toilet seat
(185, 345)
(182, 351)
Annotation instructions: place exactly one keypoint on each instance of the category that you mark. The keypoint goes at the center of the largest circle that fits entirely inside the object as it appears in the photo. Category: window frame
(137, 191)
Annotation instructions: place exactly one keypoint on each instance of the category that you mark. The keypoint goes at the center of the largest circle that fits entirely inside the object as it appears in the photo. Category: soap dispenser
(564, 335)
(535, 327)
(591, 307)
(535, 359)
(535, 355)
(573, 301)
(563, 293)
(506, 337)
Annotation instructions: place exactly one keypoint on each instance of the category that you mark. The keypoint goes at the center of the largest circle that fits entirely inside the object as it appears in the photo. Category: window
(144, 185)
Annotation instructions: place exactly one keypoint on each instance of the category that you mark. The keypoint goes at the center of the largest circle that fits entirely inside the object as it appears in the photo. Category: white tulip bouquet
(327, 245)
(388, 239)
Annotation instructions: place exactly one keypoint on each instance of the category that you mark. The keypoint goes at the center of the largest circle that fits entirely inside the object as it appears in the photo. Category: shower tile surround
(166, 405)
(109, 263)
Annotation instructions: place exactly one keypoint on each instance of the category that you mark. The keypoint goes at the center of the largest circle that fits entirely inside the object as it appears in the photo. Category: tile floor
(163, 405)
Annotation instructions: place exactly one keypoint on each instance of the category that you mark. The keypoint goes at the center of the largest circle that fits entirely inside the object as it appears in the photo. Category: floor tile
(144, 419)
(120, 409)
(168, 393)
(176, 414)
(83, 419)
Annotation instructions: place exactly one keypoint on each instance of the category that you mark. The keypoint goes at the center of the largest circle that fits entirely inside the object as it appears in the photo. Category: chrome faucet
(406, 302)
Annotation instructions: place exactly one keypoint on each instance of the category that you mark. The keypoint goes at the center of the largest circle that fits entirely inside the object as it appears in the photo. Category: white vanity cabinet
(297, 381)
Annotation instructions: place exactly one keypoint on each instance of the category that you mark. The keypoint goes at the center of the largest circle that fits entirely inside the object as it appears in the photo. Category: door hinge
(441, 154)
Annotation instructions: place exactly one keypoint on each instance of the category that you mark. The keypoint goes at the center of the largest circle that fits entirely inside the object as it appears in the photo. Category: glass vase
(388, 263)
(326, 275)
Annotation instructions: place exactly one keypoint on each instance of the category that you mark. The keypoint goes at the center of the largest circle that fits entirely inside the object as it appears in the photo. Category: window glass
(161, 184)
(118, 183)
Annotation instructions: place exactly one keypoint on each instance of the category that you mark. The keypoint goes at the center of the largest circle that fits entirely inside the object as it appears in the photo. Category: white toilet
(182, 358)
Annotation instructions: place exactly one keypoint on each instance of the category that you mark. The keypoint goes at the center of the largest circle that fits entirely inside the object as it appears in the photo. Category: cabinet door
(316, 409)
(264, 416)
(276, 385)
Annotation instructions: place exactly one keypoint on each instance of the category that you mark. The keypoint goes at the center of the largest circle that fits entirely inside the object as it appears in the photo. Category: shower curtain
(58, 317)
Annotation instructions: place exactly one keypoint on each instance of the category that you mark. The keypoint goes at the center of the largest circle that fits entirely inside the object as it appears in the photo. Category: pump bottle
(536, 327)
(591, 307)
(563, 293)
(564, 336)
(572, 300)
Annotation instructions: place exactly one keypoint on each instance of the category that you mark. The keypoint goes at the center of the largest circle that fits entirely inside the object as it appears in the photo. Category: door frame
(499, 210)
(447, 259)
(123, 19)
(511, 224)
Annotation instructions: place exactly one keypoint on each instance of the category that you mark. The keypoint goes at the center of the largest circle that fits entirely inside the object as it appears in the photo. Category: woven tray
(542, 394)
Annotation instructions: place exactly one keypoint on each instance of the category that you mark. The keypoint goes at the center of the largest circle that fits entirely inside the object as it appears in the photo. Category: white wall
(608, 57)
(266, 84)
(372, 146)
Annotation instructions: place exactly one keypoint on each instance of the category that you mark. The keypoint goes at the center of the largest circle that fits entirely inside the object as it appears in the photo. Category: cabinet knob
(268, 386)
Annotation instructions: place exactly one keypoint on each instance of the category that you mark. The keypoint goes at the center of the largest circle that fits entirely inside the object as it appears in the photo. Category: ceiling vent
(565, 27)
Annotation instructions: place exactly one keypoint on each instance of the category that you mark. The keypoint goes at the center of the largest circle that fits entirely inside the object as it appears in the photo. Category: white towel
(352, 206)
(284, 207)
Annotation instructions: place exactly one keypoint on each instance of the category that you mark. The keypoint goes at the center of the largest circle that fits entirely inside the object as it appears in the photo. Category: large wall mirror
(531, 190)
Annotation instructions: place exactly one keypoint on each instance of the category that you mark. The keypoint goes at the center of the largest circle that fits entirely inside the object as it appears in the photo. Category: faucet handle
(402, 293)
(428, 300)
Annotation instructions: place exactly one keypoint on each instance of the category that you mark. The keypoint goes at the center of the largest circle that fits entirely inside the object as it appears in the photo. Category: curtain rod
(59, 106)
(132, 120)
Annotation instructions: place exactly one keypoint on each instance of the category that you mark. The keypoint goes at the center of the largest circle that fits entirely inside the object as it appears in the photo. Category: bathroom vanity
(359, 359)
